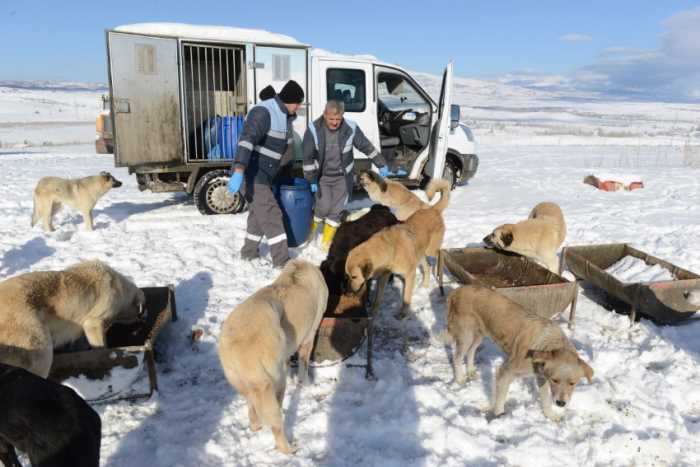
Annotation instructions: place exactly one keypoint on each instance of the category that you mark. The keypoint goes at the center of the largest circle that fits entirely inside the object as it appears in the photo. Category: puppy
(533, 345)
(47, 421)
(398, 197)
(81, 194)
(400, 249)
(538, 237)
(260, 335)
(41, 311)
(349, 235)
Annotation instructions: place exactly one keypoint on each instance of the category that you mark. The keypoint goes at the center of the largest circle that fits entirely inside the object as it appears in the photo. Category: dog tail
(442, 186)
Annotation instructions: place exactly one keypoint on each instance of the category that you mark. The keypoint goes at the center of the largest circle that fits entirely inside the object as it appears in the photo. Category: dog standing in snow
(260, 335)
(532, 344)
(81, 194)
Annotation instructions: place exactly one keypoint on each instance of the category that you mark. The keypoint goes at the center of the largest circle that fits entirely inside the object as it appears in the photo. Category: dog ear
(540, 356)
(367, 269)
(104, 173)
(383, 186)
(507, 238)
(587, 370)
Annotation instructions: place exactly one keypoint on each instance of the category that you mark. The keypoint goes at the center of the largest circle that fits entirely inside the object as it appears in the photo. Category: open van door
(145, 90)
(441, 130)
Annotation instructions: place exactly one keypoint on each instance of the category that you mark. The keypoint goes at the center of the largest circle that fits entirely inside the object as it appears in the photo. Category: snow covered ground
(643, 407)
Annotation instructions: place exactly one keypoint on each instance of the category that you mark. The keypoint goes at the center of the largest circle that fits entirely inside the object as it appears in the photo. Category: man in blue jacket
(329, 163)
(260, 155)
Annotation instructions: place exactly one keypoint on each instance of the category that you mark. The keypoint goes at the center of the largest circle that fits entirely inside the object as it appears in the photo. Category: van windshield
(397, 93)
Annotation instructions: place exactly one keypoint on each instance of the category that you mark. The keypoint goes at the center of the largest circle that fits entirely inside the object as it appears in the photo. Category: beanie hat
(268, 92)
(292, 93)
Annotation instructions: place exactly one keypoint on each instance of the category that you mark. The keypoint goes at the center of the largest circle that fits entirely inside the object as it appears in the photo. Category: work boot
(315, 223)
(328, 234)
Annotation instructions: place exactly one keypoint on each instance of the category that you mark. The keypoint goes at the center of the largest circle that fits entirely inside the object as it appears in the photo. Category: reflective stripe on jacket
(262, 147)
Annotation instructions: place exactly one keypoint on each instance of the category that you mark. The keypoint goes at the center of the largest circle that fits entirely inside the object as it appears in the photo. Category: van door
(441, 130)
(277, 65)
(351, 83)
(145, 92)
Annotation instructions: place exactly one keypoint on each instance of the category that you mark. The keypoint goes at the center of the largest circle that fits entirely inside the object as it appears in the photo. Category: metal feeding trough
(663, 301)
(518, 278)
(127, 345)
(347, 321)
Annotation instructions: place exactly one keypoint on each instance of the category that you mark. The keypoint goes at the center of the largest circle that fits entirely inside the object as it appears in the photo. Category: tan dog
(260, 335)
(400, 249)
(533, 345)
(41, 311)
(81, 194)
(539, 237)
(396, 196)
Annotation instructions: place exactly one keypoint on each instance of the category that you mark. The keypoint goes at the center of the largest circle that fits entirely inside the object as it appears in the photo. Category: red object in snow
(611, 185)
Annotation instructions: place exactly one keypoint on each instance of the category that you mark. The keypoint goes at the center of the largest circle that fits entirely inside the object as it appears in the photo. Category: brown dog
(81, 194)
(398, 197)
(538, 237)
(260, 335)
(400, 249)
(533, 345)
(41, 311)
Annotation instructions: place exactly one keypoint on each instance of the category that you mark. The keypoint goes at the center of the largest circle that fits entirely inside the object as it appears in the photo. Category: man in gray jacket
(328, 165)
(260, 155)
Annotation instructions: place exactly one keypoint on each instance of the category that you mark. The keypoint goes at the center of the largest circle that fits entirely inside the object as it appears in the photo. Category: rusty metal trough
(126, 345)
(348, 320)
(664, 302)
(518, 278)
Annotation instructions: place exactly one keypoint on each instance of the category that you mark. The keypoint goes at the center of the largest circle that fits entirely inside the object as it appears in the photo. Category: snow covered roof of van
(214, 33)
(326, 53)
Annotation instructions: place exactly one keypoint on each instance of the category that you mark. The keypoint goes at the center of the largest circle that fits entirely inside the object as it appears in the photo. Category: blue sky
(599, 45)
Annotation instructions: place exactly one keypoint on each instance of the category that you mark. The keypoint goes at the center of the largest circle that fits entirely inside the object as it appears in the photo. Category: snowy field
(642, 409)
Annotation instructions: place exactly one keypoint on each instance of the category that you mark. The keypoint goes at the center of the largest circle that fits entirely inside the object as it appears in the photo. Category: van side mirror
(454, 116)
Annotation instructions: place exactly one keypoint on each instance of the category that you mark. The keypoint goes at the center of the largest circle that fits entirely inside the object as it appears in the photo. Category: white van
(180, 93)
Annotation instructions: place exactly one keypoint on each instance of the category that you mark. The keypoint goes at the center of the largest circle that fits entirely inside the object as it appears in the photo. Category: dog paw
(553, 417)
(287, 448)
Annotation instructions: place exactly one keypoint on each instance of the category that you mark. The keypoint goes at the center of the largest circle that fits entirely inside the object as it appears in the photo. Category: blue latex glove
(401, 173)
(384, 171)
(314, 188)
(235, 182)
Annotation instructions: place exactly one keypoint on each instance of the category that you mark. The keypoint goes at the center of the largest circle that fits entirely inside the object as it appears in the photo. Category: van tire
(211, 195)
(449, 173)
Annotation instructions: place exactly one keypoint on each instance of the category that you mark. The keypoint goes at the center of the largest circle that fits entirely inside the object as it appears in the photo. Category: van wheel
(212, 197)
(450, 173)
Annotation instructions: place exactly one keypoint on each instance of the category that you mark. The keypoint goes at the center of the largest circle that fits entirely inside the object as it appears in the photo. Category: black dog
(52, 424)
(349, 235)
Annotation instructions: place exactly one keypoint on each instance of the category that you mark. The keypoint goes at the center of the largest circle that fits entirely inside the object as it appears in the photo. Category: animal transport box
(665, 301)
(127, 345)
(518, 278)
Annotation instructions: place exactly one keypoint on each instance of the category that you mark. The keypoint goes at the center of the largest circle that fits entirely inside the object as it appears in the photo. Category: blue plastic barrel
(223, 133)
(297, 203)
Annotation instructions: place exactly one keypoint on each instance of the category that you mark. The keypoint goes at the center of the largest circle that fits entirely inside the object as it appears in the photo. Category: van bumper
(470, 164)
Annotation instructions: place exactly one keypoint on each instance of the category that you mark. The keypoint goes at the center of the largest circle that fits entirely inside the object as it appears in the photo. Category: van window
(348, 86)
(398, 93)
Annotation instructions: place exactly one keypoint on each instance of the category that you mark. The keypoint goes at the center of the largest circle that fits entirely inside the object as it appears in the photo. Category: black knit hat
(292, 93)
(268, 92)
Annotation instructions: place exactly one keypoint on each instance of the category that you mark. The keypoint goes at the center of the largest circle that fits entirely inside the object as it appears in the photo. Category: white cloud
(575, 37)
(670, 71)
